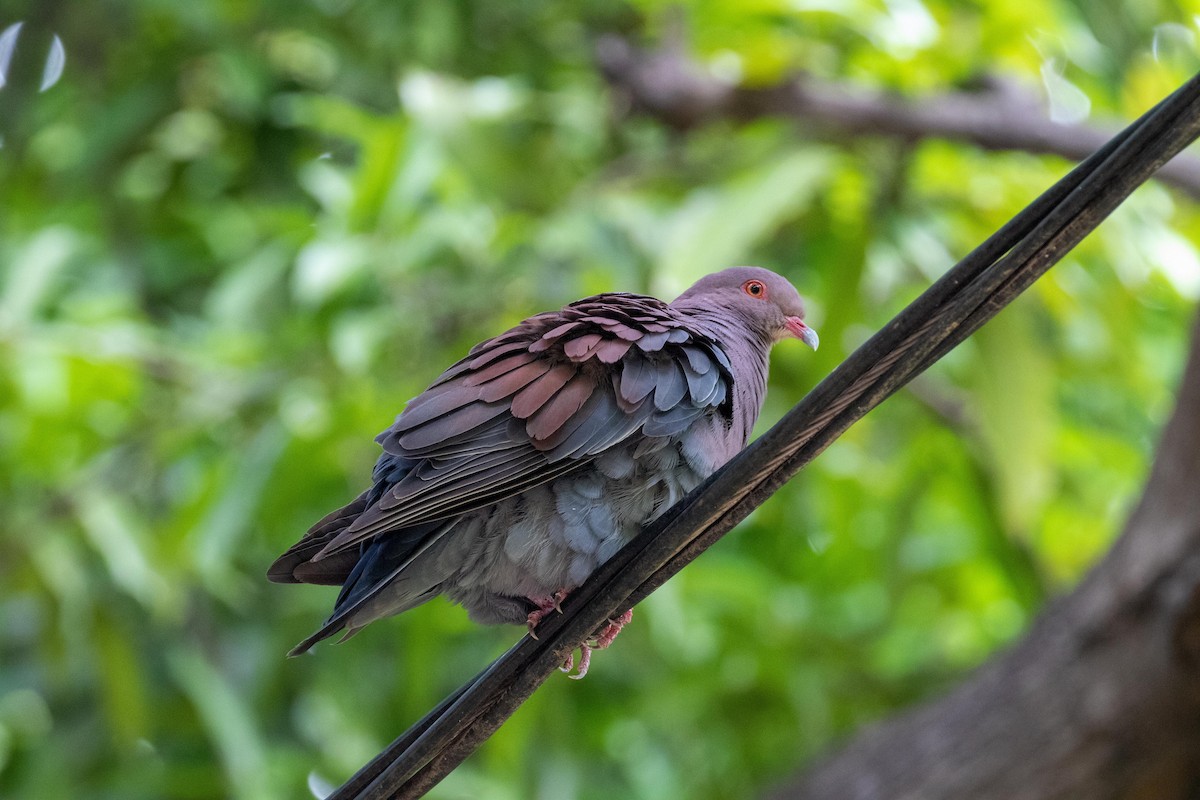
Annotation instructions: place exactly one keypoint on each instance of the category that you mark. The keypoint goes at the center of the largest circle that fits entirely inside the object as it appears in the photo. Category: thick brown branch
(998, 116)
(1100, 700)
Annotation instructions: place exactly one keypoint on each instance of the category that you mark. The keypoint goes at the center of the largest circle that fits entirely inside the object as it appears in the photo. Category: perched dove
(531, 461)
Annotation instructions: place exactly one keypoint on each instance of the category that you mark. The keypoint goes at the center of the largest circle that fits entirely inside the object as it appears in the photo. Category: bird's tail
(373, 573)
(331, 627)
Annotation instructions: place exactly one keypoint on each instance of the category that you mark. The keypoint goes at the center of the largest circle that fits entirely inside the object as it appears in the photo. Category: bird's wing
(537, 402)
(295, 565)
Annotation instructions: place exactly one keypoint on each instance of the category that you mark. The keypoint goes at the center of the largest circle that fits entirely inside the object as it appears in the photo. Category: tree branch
(1098, 700)
(949, 311)
(1000, 115)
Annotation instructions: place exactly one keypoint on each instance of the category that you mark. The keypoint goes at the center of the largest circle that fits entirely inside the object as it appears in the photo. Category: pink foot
(600, 641)
(608, 635)
(585, 661)
(544, 606)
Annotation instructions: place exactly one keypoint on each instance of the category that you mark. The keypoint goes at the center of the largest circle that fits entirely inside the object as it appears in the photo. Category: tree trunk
(1101, 699)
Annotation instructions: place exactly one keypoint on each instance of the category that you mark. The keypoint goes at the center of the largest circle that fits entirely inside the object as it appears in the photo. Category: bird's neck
(748, 351)
(750, 385)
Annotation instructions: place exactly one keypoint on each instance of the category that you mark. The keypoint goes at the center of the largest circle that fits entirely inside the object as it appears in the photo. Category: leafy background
(235, 238)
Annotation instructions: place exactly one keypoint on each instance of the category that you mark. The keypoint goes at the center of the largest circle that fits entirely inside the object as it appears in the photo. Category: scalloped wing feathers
(537, 402)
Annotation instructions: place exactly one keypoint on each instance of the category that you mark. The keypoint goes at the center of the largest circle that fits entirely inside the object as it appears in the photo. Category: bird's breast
(554, 536)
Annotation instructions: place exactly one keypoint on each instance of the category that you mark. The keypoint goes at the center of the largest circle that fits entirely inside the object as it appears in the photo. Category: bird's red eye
(756, 289)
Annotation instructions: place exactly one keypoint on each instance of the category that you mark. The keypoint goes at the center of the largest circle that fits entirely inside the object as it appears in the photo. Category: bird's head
(762, 299)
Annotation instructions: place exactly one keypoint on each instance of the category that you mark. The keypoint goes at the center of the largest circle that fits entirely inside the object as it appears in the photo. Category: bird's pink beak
(797, 328)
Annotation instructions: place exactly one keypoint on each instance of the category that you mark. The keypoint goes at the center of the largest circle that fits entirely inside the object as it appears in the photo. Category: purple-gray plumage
(531, 461)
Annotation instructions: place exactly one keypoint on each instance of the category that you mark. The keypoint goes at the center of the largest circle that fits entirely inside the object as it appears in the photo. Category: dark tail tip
(329, 629)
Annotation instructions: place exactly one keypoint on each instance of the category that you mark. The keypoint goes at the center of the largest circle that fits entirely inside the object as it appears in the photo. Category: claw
(585, 661)
(544, 606)
(606, 637)
(602, 640)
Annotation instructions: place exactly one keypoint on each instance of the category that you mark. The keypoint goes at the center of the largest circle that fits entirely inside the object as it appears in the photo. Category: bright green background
(236, 237)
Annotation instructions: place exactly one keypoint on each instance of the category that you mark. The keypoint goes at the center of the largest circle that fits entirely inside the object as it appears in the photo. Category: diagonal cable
(955, 306)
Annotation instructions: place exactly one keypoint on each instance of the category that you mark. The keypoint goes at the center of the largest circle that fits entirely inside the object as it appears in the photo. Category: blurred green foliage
(235, 238)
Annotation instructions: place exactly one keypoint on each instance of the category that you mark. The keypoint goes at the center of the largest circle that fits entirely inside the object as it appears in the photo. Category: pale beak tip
(802, 332)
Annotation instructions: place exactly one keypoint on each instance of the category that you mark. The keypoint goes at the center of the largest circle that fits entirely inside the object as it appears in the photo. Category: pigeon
(531, 461)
